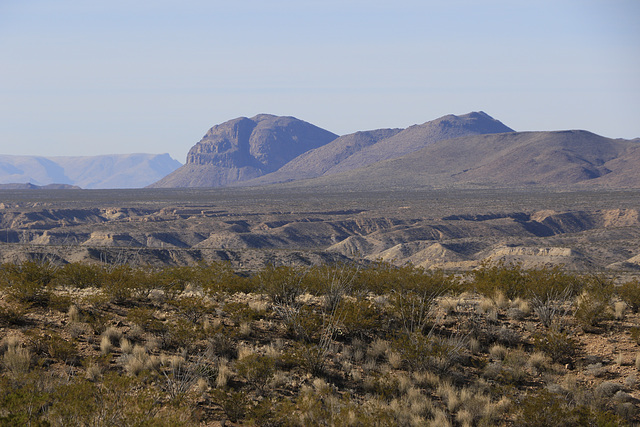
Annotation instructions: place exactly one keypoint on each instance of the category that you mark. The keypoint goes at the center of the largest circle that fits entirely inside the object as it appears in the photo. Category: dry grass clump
(486, 305)
(113, 335)
(106, 346)
(449, 304)
(93, 373)
(224, 373)
(498, 352)
(245, 329)
(73, 314)
(138, 361)
(16, 358)
(619, 308)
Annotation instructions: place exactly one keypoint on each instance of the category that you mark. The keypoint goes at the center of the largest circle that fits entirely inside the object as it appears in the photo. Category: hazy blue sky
(81, 77)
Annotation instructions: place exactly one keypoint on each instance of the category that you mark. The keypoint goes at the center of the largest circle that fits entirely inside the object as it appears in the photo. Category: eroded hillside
(453, 230)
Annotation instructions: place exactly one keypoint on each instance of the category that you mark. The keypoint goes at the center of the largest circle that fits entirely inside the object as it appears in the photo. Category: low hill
(243, 148)
(107, 171)
(557, 159)
(360, 149)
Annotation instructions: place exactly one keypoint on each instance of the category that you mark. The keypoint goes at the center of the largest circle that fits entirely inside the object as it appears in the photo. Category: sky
(82, 77)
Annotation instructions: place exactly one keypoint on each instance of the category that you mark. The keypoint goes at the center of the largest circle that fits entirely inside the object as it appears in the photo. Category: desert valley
(455, 272)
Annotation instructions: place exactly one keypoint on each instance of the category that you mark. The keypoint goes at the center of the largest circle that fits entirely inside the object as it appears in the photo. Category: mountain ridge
(570, 158)
(93, 172)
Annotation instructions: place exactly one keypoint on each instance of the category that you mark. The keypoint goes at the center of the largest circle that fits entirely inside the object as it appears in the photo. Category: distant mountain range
(107, 171)
(471, 150)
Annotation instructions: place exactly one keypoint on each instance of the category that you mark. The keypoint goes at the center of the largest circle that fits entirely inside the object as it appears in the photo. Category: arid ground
(447, 229)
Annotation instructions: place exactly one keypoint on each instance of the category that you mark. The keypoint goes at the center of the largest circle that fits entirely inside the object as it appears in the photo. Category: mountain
(556, 159)
(245, 148)
(107, 171)
(360, 149)
(29, 186)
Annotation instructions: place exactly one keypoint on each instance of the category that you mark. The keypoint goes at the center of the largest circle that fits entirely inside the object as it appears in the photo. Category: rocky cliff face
(244, 148)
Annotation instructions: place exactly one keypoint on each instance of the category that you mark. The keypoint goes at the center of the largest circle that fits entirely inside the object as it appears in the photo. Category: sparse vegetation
(367, 345)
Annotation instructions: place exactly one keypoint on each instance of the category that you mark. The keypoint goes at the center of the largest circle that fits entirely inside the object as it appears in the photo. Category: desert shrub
(96, 320)
(23, 402)
(549, 409)
(559, 346)
(424, 352)
(235, 404)
(282, 284)
(359, 317)
(312, 358)
(16, 359)
(412, 302)
(630, 293)
(146, 319)
(13, 314)
(116, 400)
(303, 322)
(222, 344)
(80, 276)
(257, 370)
(334, 282)
(184, 334)
(491, 278)
(123, 284)
(635, 333)
(219, 278)
(29, 282)
(510, 370)
(550, 290)
(58, 348)
(174, 280)
(180, 376)
(594, 302)
(241, 312)
(192, 308)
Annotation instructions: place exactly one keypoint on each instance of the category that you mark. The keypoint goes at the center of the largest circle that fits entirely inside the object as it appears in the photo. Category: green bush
(594, 305)
(552, 410)
(235, 404)
(192, 308)
(630, 293)
(257, 370)
(282, 284)
(80, 276)
(124, 284)
(559, 346)
(29, 282)
(492, 278)
(359, 317)
(424, 352)
(219, 278)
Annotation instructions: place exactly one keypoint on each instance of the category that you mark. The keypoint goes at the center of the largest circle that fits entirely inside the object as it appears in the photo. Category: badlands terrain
(453, 229)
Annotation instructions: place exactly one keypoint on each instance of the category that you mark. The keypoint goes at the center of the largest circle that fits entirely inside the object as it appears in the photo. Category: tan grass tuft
(619, 308)
(224, 373)
(74, 314)
(106, 346)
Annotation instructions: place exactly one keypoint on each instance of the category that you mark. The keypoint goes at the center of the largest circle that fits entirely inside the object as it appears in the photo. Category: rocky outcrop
(243, 148)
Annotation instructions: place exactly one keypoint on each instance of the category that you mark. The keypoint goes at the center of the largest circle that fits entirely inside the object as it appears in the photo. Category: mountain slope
(107, 171)
(360, 149)
(243, 148)
(562, 158)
